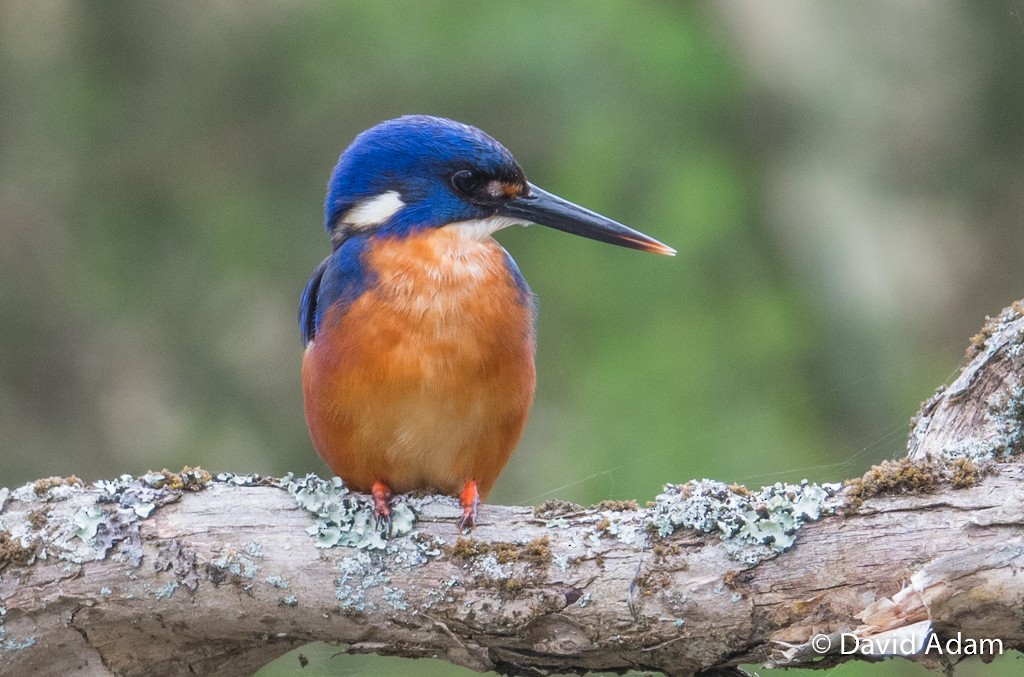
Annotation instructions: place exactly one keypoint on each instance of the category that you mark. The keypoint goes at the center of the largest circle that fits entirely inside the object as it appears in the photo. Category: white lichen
(343, 518)
(167, 591)
(767, 519)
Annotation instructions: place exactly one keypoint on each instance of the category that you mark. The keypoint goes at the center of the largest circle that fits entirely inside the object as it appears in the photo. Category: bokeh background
(843, 182)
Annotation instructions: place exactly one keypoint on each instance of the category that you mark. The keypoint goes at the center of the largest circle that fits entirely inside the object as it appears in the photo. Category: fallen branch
(178, 572)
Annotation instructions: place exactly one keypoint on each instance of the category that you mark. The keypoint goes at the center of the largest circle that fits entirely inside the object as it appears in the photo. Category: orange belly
(424, 381)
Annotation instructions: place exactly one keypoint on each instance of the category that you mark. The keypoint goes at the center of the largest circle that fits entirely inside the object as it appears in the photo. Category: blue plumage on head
(414, 156)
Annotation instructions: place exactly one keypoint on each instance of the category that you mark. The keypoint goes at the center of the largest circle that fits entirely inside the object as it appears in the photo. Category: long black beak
(543, 208)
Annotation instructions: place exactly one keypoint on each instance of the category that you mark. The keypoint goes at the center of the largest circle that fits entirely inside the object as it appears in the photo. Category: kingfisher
(418, 370)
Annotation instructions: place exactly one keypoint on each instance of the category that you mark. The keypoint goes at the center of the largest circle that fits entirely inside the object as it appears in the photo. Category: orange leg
(469, 499)
(381, 494)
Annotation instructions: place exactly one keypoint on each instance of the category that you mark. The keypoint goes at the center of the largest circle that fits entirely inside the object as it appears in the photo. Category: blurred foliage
(163, 173)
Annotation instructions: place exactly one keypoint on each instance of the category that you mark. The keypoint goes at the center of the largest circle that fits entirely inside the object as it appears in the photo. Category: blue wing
(307, 306)
(340, 278)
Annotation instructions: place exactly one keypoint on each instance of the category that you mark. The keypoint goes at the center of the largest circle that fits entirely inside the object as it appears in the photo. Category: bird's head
(418, 172)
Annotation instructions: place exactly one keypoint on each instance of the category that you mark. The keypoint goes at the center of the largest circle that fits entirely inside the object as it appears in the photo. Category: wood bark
(153, 578)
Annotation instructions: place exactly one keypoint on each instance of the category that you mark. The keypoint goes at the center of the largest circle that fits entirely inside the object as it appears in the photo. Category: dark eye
(466, 181)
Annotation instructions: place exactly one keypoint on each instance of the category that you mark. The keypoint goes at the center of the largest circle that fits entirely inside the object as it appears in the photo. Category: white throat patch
(373, 211)
(478, 229)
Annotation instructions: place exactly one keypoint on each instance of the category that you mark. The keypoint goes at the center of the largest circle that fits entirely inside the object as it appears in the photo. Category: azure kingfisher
(418, 368)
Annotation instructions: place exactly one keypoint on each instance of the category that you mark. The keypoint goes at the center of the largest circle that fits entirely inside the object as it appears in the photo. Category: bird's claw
(382, 522)
(469, 499)
(381, 494)
(468, 521)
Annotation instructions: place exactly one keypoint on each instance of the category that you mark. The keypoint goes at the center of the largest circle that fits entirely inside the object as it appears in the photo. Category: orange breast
(425, 381)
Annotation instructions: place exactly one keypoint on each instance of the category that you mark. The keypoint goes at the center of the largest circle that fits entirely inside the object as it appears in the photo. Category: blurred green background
(843, 183)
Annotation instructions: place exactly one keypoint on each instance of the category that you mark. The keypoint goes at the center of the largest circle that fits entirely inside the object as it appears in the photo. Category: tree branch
(178, 572)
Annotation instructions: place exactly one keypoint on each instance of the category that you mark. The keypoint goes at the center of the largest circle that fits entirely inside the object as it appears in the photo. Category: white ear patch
(373, 211)
(479, 229)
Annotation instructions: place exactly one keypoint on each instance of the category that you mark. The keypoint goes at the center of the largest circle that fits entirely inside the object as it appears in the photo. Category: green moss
(966, 472)
(556, 508)
(189, 479)
(43, 486)
(12, 551)
(906, 476)
(992, 326)
(509, 568)
(536, 552)
(617, 506)
(38, 518)
(893, 477)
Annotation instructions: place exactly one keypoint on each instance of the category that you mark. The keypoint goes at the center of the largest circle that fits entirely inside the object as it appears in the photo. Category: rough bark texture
(147, 577)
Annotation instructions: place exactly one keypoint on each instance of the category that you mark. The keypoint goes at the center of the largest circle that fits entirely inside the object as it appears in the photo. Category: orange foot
(381, 494)
(470, 500)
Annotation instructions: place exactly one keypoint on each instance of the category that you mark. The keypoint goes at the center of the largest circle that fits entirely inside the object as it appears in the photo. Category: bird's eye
(466, 181)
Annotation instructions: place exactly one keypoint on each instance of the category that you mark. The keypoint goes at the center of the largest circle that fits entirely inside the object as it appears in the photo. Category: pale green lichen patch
(167, 590)
(1005, 418)
(767, 519)
(395, 597)
(105, 520)
(189, 479)
(247, 480)
(241, 564)
(344, 518)
(87, 522)
(363, 582)
(357, 575)
(9, 643)
(277, 582)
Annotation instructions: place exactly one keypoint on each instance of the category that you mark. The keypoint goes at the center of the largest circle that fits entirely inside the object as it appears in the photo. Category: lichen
(1005, 418)
(189, 479)
(240, 564)
(993, 326)
(766, 519)
(167, 591)
(87, 522)
(250, 479)
(277, 582)
(356, 576)
(346, 519)
(396, 597)
(180, 560)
